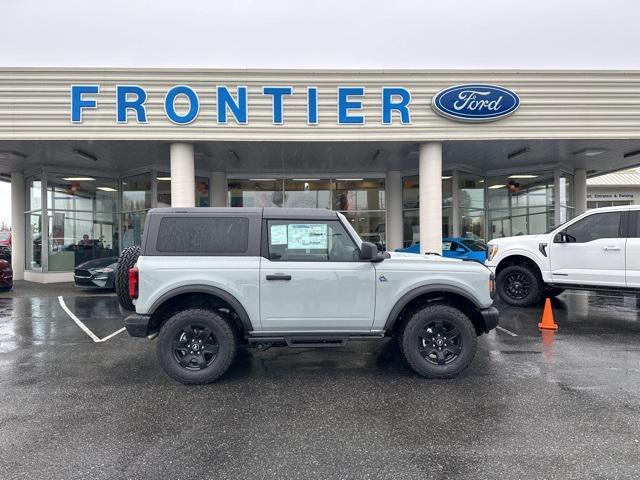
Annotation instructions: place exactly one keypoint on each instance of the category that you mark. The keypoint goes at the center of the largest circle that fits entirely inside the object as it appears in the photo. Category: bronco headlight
(493, 251)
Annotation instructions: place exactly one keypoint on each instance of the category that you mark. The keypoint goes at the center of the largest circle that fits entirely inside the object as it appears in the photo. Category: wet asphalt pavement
(563, 405)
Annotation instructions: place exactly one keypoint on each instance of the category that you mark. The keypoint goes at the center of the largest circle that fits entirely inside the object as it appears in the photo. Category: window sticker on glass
(307, 236)
(278, 235)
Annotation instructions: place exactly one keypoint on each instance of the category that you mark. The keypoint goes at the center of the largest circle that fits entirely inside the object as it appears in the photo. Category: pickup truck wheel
(196, 346)
(518, 285)
(438, 341)
(127, 260)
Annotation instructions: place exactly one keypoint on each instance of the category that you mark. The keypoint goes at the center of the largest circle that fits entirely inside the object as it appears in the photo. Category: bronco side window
(203, 235)
(310, 241)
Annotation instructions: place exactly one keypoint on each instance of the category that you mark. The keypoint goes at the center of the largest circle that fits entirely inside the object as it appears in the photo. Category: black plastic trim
(278, 277)
(623, 230)
(208, 289)
(595, 288)
(416, 292)
(491, 317)
(543, 248)
(137, 325)
(312, 340)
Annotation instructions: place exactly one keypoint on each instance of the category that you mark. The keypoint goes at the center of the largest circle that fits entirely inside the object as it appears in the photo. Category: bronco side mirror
(368, 251)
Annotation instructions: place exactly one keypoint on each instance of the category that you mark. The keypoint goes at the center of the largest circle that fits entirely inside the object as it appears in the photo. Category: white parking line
(84, 328)
(509, 332)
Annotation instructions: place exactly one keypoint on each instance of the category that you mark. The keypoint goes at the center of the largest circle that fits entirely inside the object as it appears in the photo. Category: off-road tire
(505, 285)
(127, 260)
(412, 343)
(221, 332)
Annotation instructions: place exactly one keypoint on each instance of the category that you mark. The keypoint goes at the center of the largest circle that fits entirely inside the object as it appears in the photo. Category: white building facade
(90, 151)
(614, 189)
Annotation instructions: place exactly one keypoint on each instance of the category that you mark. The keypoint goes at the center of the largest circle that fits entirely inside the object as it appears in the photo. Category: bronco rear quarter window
(203, 235)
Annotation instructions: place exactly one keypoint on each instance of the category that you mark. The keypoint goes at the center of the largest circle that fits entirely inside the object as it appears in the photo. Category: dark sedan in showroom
(98, 273)
(5, 245)
(6, 275)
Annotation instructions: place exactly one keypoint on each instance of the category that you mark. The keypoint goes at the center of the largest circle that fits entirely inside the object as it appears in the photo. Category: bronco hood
(415, 259)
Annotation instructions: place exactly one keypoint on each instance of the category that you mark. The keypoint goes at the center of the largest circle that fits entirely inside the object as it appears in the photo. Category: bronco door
(312, 279)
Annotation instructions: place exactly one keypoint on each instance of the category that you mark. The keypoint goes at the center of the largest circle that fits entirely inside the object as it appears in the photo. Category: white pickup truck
(599, 249)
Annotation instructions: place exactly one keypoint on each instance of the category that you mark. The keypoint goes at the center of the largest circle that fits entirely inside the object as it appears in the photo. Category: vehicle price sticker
(304, 236)
(278, 234)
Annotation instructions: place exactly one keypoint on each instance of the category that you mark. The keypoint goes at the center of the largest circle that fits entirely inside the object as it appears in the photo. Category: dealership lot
(559, 405)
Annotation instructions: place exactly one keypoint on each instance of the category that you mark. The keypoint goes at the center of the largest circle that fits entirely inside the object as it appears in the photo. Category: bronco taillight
(133, 282)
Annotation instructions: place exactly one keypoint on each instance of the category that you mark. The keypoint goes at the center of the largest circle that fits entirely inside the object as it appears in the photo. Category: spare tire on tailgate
(127, 260)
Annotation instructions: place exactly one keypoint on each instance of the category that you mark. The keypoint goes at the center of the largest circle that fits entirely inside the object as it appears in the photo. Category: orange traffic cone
(548, 323)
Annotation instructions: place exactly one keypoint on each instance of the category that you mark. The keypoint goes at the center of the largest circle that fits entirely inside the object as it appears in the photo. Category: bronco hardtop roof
(266, 212)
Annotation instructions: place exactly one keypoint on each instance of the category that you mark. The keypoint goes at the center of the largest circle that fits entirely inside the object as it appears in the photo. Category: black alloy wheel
(440, 342)
(517, 285)
(195, 347)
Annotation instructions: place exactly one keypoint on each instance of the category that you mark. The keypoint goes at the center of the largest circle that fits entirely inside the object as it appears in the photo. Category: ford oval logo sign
(475, 102)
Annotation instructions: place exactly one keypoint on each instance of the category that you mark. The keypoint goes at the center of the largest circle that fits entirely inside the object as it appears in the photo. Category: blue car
(457, 247)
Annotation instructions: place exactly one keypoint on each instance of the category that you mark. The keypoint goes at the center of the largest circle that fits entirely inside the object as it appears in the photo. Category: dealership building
(406, 156)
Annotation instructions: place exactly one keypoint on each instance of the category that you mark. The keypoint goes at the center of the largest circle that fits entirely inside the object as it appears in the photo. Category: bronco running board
(315, 342)
(309, 341)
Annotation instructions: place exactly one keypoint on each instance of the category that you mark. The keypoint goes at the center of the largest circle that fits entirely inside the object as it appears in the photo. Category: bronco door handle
(610, 248)
(279, 276)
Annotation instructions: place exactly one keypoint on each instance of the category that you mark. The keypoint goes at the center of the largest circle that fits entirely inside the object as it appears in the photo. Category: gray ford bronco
(206, 280)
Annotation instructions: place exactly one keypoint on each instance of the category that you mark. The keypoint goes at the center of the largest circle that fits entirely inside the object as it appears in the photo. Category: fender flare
(210, 290)
(521, 253)
(418, 291)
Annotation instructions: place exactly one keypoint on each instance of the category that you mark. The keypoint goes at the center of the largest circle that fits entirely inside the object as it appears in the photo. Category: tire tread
(221, 364)
(127, 260)
(436, 310)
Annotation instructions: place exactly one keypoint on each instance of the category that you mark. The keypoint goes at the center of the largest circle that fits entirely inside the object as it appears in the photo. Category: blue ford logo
(475, 102)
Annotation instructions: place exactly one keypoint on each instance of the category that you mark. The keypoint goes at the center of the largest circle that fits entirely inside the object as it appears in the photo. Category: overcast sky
(381, 34)
(558, 34)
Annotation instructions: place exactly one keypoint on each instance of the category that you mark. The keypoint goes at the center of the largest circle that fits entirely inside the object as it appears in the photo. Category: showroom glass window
(607, 203)
(255, 192)
(472, 205)
(82, 219)
(164, 190)
(520, 204)
(411, 204)
(565, 184)
(307, 193)
(361, 200)
(33, 223)
(136, 200)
